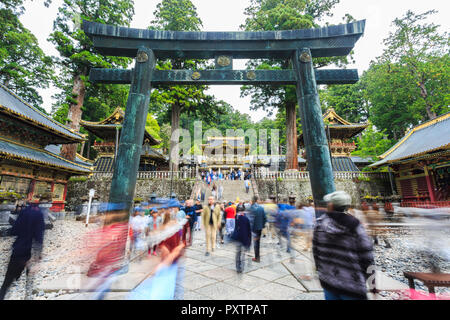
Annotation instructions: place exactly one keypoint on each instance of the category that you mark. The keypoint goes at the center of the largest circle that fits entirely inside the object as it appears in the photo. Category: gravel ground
(62, 250)
(412, 250)
(65, 242)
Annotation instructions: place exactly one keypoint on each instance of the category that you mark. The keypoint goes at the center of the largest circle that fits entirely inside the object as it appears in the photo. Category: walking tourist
(203, 194)
(243, 236)
(270, 210)
(27, 248)
(214, 191)
(222, 221)
(198, 211)
(258, 221)
(211, 221)
(189, 210)
(139, 225)
(283, 221)
(220, 192)
(247, 186)
(171, 251)
(230, 213)
(342, 251)
(154, 223)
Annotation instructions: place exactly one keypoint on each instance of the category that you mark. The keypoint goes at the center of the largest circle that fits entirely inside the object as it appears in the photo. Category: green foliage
(17, 5)
(349, 101)
(176, 15)
(165, 134)
(152, 127)
(406, 85)
(102, 100)
(77, 57)
(78, 179)
(23, 65)
(181, 15)
(270, 15)
(372, 143)
(409, 83)
(364, 178)
(10, 196)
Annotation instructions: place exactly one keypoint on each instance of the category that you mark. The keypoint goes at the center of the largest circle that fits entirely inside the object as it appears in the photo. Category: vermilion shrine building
(30, 141)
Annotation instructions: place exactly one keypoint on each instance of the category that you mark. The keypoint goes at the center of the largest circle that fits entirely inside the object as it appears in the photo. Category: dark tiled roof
(104, 164)
(357, 159)
(150, 152)
(12, 103)
(56, 149)
(343, 164)
(235, 143)
(428, 137)
(43, 157)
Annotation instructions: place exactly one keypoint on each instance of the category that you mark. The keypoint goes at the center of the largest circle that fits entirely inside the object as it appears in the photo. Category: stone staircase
(232, 189)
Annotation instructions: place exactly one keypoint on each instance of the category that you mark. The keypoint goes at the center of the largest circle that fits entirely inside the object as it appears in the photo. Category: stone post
(316, 144)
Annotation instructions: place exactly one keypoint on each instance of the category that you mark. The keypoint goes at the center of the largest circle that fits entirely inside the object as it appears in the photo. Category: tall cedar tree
(23, 65)
(181, 15)
(269, 15)
(409, 83)
(76, 50)
(406, 85)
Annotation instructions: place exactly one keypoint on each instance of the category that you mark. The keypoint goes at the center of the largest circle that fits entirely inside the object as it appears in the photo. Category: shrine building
(30, 164)
(339, 132)
(108, 133)
(420, 162)
(225, 154)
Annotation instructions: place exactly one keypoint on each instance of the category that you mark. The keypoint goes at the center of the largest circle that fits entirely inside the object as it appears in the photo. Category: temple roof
(431, 136)
(19, 152)
(106, 129)
(339, 127)
(343, 164)
(234, 142)
(15, 107)
(360, 160)
(79, 159)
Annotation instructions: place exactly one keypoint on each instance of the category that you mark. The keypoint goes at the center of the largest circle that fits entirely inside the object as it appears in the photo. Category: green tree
(152, 127)
(349, 101)
(24, 67)
(423, 55)
(406, 85)
(77, 56)
(180, 15)
(409, 82)
(165, 133)
(372, 143)
(269, 15)
(17, 5)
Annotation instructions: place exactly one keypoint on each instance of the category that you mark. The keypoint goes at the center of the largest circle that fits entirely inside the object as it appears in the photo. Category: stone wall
(302, 188)
(76, 190)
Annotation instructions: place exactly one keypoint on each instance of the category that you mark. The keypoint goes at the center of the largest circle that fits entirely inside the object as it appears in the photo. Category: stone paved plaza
(215, 277)
(62, 273)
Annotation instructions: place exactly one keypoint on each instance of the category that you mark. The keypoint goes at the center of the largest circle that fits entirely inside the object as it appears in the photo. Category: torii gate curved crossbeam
(148, 45)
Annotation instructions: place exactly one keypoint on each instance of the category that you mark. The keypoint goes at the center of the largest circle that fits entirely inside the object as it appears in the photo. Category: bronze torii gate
(298, 45)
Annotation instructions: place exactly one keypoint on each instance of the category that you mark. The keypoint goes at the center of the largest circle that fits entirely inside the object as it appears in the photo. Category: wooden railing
(304, 175)
(285, 175)
(425, 204)
(143, 175)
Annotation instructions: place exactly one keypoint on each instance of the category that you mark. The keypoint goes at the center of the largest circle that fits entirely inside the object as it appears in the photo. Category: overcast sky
(228, 15)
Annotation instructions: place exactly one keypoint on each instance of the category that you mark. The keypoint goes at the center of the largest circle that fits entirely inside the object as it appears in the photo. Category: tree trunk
(69, 151)
(424, 93)
(175, 136)
(291, 137)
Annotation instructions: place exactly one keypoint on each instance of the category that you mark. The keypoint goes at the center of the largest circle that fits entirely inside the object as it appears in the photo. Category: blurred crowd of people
(340, 237)
(211, 176)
